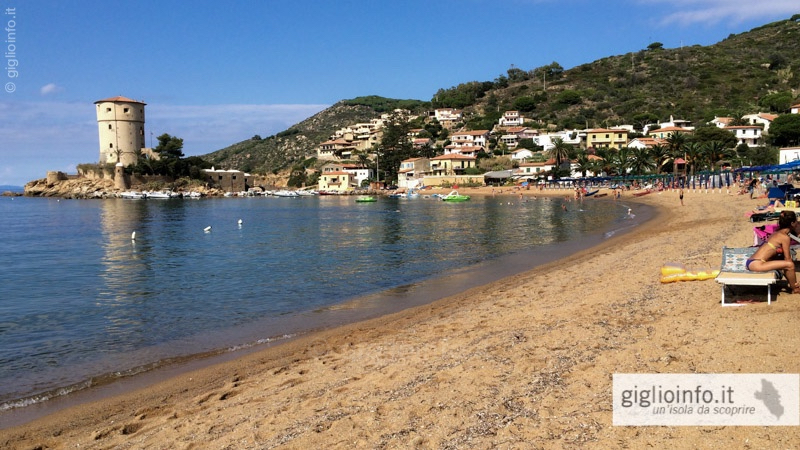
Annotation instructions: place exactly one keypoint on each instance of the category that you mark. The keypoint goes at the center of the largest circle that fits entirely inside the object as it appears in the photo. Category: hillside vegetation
(749, 72)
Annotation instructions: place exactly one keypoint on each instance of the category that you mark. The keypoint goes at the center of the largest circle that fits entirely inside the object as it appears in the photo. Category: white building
(747, 134)
(511, 119)
(762, 119)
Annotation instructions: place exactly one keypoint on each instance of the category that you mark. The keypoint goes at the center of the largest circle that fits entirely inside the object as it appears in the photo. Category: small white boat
(133, 195)
(285, 193)
(158, 195)
(194, 194)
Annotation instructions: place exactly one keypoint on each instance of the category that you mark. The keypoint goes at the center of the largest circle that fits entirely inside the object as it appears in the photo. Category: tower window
(109, 126)
(125, 110)
(111, 145)
(108, 109)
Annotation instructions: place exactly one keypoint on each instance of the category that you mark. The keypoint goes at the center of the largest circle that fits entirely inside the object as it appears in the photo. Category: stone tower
(120, 122)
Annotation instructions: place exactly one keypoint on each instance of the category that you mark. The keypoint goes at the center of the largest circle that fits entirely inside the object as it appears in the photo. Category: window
(111, 145)
(108, 109)
(109, 127)
(125, 110)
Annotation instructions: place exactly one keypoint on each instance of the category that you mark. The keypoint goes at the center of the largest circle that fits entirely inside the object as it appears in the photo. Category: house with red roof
(451, 164)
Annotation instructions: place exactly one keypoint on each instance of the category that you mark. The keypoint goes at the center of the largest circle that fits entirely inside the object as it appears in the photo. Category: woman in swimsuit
(779, 242)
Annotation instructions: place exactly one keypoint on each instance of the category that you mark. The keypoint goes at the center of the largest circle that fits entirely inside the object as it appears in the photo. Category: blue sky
(216, 73)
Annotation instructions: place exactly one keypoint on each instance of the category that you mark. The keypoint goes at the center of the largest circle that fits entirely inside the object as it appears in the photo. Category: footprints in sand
(154, 417)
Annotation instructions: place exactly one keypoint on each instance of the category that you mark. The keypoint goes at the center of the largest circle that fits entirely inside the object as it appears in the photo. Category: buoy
(133, 236)
(240, 222)
(207, 229)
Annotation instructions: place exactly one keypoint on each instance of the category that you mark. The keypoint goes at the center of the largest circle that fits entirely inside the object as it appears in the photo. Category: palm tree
(675, 142)
(716, 152)
(620, 161)
(693, 153)
(560, 152)
(605, 159)
(661, 156)
(641, 161)
(584, 163)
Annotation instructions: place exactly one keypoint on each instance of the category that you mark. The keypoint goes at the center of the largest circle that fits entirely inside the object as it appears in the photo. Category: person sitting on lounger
(762, 260)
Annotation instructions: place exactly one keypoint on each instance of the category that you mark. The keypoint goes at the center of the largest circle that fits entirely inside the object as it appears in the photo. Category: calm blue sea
(82, 303)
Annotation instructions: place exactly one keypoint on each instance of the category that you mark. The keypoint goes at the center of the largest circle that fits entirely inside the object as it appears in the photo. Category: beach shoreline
(528, 358)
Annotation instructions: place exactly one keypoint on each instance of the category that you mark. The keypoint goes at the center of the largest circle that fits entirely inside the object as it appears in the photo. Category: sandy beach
(524, 362)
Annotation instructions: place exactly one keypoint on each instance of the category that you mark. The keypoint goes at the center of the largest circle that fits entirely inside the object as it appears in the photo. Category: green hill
(748, 72)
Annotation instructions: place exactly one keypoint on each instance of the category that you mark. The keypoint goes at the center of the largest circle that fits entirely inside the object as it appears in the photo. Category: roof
(498, 174)
(470, 133)
(453, 156)
(119, 99)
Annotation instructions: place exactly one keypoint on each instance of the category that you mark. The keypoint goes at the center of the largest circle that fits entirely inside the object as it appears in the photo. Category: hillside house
(448, 117)
(795, 109)
(335, 149)
(763, 119)
(521, 154)
(721, 122)
(511, 119)
(476, 138)
(747, 134)
(453, 164)
(412, 171)
(646, 142)
(664, 133)
(606, 138)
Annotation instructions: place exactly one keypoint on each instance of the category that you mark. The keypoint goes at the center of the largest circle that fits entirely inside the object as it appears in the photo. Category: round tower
(120, 122)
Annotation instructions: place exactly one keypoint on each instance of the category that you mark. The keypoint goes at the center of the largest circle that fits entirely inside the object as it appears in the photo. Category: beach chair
(734, 273)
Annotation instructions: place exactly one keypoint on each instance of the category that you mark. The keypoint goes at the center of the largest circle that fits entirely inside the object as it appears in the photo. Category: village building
(337, 181)
(412, 171)
(763, 119)
(229, 180)
(448, 117)
(747, 134)
(452, 164)
(511, 119)
(606, 138)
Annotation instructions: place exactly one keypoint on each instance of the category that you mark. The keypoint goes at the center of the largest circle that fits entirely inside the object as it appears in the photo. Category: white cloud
(50, 88)
(689, 12)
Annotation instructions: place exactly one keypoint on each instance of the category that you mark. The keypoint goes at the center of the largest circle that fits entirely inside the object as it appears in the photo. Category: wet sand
(526, 361)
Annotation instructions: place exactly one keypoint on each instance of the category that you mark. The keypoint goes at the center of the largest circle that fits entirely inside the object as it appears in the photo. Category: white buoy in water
(207, 229)
(240, 222)
(133, 236)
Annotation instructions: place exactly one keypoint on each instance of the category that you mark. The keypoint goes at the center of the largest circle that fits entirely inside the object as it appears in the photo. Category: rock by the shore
(72, 188)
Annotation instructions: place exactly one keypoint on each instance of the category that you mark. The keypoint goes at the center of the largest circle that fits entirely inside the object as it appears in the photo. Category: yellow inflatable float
(677, 272)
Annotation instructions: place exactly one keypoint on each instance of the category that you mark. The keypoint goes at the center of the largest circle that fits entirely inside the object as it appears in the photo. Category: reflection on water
(87, 300)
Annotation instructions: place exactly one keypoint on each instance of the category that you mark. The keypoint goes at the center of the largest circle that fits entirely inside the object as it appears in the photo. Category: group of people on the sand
(775, 254)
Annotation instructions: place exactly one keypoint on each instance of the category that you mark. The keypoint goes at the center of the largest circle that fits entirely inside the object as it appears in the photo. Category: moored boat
(134, 195)
(366, 199)
(454, 196)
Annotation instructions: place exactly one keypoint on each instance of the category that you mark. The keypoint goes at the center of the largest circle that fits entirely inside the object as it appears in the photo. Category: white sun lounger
(734, 273)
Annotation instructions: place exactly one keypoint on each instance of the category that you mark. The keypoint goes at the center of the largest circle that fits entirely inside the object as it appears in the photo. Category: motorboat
(133, 195)
(159, 195)
(454, 196)
(285, 193)
(365, 199)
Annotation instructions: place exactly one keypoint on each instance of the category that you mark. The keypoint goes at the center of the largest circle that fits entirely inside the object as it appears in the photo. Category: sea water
(82, 301)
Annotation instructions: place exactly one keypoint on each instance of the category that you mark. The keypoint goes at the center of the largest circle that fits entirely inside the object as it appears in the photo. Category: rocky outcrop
(81, 187)
(71, 188)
